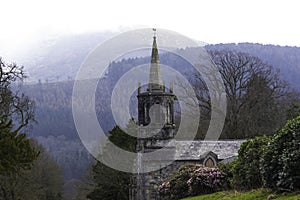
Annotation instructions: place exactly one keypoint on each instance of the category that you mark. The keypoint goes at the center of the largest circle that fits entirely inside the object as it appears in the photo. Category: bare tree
(16, 113)
(257, 98)
(254, 92)
(14, 106)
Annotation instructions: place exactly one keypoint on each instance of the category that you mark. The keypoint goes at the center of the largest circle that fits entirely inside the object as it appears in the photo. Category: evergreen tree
(42, 182)
(110, 183)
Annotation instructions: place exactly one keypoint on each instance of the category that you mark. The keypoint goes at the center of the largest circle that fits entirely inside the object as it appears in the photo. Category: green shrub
(280, 164)
(246, 173)
(228, 169)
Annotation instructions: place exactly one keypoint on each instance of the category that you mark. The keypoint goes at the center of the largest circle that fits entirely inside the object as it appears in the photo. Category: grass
(260, 194)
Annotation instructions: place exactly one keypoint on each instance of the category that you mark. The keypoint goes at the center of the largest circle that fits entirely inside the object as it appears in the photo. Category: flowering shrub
(206, 180)
(191, 180)
(164, 189)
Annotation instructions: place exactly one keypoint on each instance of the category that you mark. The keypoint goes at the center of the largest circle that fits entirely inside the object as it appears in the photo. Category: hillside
(59, 58)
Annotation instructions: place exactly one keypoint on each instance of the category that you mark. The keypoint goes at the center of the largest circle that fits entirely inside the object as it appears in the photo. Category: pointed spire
(155, 80)
(154, 55)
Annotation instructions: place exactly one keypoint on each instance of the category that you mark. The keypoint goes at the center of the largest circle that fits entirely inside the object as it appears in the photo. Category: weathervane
(154, 32)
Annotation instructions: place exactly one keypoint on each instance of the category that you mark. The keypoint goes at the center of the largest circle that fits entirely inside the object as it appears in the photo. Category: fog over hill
(59, 59)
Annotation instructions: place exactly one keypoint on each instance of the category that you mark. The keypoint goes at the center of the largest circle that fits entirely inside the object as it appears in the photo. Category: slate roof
(194, 150)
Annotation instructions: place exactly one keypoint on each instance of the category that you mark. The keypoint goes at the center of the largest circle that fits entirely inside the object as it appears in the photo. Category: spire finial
(154, 32)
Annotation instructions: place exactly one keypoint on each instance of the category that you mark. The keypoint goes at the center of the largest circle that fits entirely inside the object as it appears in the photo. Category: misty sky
(25, 22)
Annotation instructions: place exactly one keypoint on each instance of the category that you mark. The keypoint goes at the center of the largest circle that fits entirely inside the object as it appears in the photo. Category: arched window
(170, 118)
(146, 114)
(157, 112)
(209, 162)
(168, 114)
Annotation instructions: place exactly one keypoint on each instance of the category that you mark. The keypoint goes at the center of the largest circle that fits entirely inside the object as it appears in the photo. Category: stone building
(156, 120)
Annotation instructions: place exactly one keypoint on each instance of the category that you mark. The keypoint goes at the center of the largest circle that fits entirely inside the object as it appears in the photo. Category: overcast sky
(211, 21)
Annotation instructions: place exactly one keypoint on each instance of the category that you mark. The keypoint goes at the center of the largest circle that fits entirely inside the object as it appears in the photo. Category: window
(209, 163)
(168, 113)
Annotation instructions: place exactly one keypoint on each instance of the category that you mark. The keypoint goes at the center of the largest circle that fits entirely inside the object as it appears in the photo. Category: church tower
(156, 125)
(155, 106)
